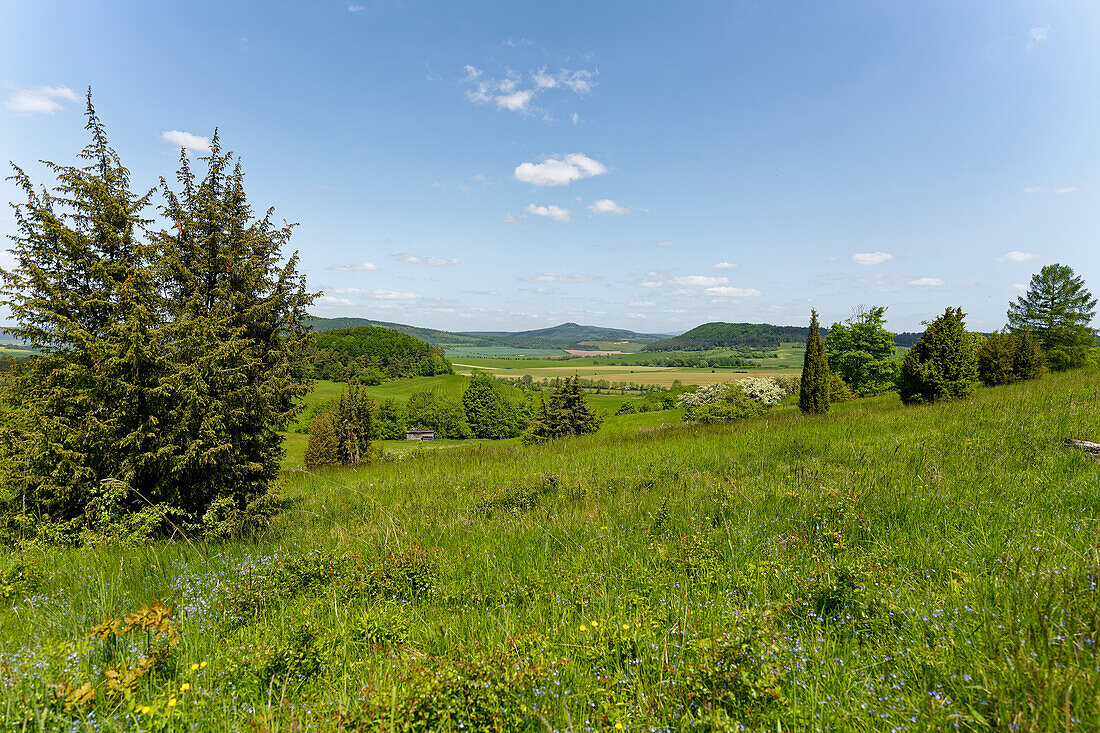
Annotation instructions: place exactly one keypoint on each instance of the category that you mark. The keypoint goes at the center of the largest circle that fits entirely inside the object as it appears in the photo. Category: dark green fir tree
(813, 391)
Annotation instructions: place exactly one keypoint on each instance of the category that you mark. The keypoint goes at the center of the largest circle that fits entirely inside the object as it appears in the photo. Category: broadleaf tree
(861, 351)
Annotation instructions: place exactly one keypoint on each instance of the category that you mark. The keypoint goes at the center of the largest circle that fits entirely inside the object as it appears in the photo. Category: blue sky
(649, 166)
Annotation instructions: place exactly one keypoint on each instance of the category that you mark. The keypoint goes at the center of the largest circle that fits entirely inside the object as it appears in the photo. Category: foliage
(342, 434)
(368, 353)
(323, 445)
(719, 403)
(1004, 358)
(813, 395)
(488, 413)
(861, 351)
(389, 420)
(1057, 309)
(839, 391)
(720, 335)
(942, 365)
(167, 361)
(565, 413)
(764, 390)
(445, 415)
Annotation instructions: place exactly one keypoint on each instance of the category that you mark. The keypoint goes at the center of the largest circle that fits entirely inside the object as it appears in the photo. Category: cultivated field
(879, 568)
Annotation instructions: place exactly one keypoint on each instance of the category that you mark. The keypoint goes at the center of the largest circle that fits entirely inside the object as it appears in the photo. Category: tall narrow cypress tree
(813, 393)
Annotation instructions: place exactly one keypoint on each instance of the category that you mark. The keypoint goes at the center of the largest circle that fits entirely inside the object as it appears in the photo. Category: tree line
(1048, 327)
(341, 433)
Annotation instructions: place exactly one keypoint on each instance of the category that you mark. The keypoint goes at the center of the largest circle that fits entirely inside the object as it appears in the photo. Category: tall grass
(879, 568)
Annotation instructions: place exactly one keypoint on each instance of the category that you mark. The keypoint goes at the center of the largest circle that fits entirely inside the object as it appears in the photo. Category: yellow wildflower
(185, 687)
(172, 703)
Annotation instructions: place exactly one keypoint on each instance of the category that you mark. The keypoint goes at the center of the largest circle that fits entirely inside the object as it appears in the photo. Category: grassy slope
(879, 568)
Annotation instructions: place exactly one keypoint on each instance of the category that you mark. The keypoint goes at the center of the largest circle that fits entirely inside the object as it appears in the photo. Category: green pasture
(879, 568)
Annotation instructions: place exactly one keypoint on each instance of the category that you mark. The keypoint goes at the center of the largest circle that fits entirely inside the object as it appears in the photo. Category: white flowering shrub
(708, 394)
(764, 390)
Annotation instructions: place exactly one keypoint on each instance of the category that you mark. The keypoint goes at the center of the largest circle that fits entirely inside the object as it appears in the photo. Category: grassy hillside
(879, 568)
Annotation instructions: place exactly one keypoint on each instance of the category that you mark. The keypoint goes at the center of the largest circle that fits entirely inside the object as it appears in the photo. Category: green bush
(942, 364)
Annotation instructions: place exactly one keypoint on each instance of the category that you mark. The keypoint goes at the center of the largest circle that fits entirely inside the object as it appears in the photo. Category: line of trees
(167, 356)
(1048, 326)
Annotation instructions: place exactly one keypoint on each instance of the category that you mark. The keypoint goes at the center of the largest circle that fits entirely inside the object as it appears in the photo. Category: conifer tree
(813, 393)
(323, 445)
(81, 290)
(942, 364)
(1028, 362)
(1058, 309)
(239, 330)
(569, 412)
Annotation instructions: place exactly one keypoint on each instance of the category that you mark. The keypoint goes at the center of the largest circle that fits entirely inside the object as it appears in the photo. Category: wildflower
(146, 710)
(194, 666)
(185, 687)
(618, 726)
(595, 624)
(626, 627)
(203, 665)
(172, 703)
(584, 628)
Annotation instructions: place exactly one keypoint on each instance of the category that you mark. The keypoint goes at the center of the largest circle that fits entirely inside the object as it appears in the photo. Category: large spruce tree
(813, 392)
(1057, 309)
(166, 362)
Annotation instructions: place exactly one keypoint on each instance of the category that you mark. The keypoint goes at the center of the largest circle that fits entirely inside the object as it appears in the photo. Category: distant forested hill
(371, 353)
(720, 335)
(564, 336)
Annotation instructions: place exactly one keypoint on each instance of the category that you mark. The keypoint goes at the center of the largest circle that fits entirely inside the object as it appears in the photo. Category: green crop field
(877, 568)
(461, 352)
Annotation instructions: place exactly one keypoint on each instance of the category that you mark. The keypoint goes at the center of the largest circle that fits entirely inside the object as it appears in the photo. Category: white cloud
(1067, 189)
(559, 171)
(607, 206)
(472, 73)
(363, 267)
(650, 284)
(354, 8)
(1055, 191)
(1038, 34)
(1016, 257)
(376, 294)
(516, 101)
(543, 80)
(552, 212)
(509, 219)
(411, 259)
(733, 292)
(1019, 286)
(665, 243)
(550, 277)
(642, 304)
(575, 117)
(725, 266)
(871, 258)
(186, 140)
(700, 280)
(931, 282)
(39, 100)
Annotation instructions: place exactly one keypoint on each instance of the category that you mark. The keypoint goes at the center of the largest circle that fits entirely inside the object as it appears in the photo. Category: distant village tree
(813, 392)
(1057, 309)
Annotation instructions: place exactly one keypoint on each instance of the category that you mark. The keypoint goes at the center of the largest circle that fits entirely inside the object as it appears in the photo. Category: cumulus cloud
(725, 266)
(700, 280)
(559, 171)
(516, 101)
(733, 292)
(871, 258)
(1015, 256)
(39, 100)
(550, 277)
(551, 212)
(180, 139)
(931, 282)
(362, 267)
(608, 206)
(411, 259)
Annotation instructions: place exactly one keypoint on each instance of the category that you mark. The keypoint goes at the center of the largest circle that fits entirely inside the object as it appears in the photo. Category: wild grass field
(880, 568)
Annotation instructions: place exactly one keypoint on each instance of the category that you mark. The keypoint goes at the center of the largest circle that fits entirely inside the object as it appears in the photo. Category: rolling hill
(720, 335)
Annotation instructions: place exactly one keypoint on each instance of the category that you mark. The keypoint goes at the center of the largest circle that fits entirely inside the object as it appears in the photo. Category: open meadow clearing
(877, 568)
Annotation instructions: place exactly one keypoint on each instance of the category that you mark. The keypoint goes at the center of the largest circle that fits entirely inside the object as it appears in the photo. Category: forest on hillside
(370, 354)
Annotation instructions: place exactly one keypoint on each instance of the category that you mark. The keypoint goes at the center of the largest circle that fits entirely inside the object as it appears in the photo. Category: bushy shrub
(839, 391)
(942, 364)
(788, 383)
(734, 405)
(764, 390)
(995, 358)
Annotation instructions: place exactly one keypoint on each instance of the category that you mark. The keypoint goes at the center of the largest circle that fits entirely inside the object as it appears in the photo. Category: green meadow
(880, 568)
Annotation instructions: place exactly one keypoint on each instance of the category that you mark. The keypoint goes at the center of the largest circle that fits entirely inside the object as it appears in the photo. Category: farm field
(663, 376)
(877, 568)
